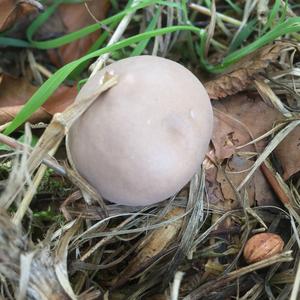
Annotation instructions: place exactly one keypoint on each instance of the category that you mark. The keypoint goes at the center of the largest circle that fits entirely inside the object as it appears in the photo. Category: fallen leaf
(288, 153)
(213, 187)
(241, 75)
(69, 18)
(232, 176)
(220, 187)
(60, 100)
(233, 127)
(234, 123)
(13, 11)
(14, 93)
(7, 113)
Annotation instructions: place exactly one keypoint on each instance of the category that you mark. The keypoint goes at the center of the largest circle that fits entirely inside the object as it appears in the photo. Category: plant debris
(13, 11)
(241, 75)
(60, 240)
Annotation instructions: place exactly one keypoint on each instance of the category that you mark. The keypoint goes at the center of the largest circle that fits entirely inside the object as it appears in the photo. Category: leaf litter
(60, 23)
(189, 245)
(13, 11)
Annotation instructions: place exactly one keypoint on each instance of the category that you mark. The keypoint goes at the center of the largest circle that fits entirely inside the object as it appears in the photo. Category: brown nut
(262, 246)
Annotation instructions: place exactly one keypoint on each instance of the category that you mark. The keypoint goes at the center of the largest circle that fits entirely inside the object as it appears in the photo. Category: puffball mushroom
(143, 140)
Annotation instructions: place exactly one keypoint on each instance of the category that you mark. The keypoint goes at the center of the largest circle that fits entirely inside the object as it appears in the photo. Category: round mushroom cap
(143, 140)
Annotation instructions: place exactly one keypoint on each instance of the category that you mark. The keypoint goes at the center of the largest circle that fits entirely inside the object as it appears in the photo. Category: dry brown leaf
(288, 153)
(236, 118)
(213, 187)
(233, 178)
(258, 189)
(12, 99)
(60, 100)
(72, 17)
(242, 73)
(7, 113)
(15, 91)
(12, 11)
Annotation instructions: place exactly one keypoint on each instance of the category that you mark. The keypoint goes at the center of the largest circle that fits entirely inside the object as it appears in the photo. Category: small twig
(32, 64)
(31, 191)
(268, 150)
(211, 27)
(295, 291)
(270, 176)
(207, 12)
(176, 285)
(4, 126)
(49, 161)
(280, 189)
(43, 70)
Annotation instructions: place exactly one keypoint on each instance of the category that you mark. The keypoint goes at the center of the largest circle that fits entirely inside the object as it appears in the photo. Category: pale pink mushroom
(143, 140)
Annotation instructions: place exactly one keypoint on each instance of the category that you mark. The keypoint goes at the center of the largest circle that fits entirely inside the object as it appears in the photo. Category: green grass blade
(98, 44)
(272, 15)
(68, 38)
(242, 35)
(11, 42)
(47, 89)
(289, 26)
(284, 11)
(235, 7)
(42, 94)
(114, 4)
(143, 44)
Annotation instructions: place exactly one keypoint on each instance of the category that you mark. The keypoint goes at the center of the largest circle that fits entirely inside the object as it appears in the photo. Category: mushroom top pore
(142, 141)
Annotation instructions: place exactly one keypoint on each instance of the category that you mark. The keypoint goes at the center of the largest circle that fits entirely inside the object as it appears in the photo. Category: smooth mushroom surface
(143, 140)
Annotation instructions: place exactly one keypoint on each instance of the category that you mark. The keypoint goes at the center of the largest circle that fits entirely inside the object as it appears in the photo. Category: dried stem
(96, 66)
(48, 160)
(210, 286)
(271, 177)
(52, 137)
(31, 191)
(207, 12)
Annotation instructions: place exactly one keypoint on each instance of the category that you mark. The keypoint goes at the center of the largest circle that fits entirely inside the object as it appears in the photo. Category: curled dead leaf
(7, 113)
(69, 18)
(234, 123)
(12, 11)
(12, 99)
(60, 100)
(213, 187)
(242, 73)
(235, 126)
